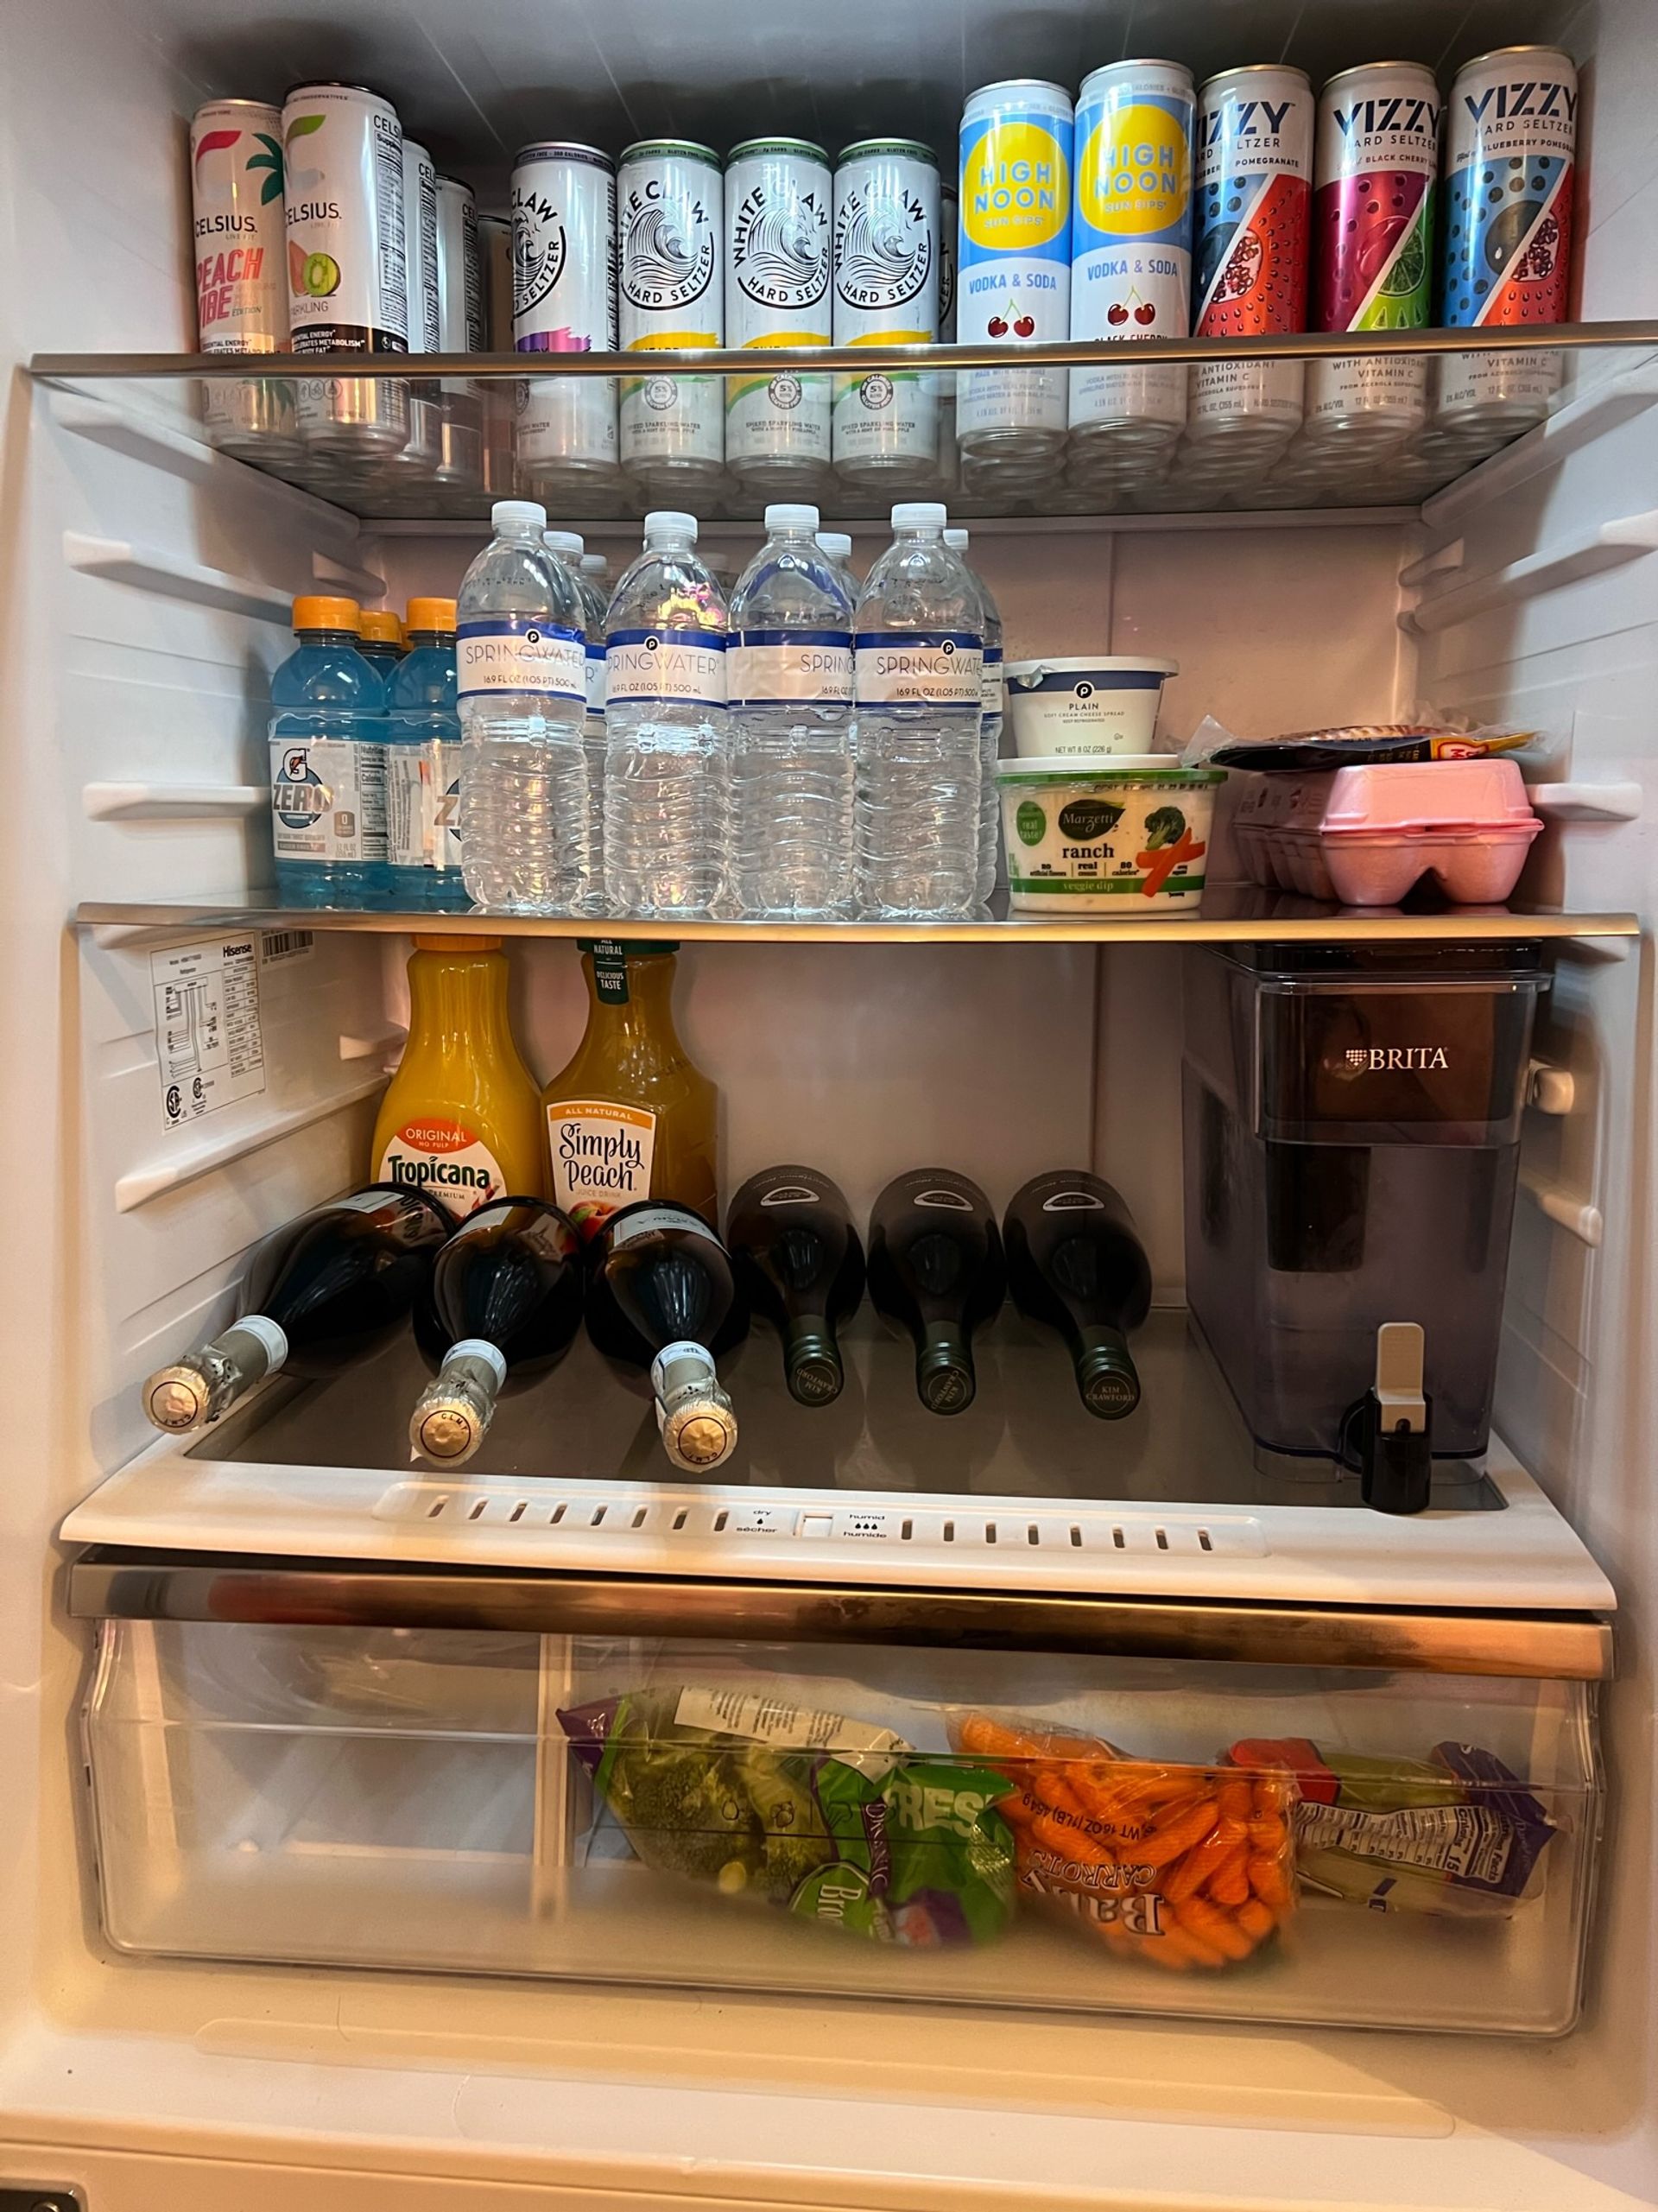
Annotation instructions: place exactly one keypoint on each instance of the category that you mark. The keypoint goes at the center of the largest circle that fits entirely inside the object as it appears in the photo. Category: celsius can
(886, 424)
(1376, 161)
(1131, 248)
(564, 301)
(1255, 174)
(421, 260)
(1013, 278)
(944, 383)
(347, 283)
(236, 179)
(670, 227)
(1511, 131)
(779, 227)
(460, 330)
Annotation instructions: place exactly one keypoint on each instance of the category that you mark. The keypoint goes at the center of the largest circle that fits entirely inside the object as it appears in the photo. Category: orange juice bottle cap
(382, 625)
(327, 614)
(425, 944)
(430, 614)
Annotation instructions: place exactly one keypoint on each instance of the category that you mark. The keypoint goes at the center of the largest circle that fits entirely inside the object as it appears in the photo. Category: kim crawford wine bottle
(799, 1263)
(1075, 1264)
(662, 1294)
(506, 1299)
(936, 1269)
(328, 1288)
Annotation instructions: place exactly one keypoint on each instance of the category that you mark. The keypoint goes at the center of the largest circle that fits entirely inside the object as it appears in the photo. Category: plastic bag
(1425, 735)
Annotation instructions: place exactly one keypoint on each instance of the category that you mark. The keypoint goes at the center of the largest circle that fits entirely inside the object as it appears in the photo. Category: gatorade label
(515, 652)
(777, 667)
(685, 665)
(445, 1160)
(423, 805)
(327, 800)
(942, 667)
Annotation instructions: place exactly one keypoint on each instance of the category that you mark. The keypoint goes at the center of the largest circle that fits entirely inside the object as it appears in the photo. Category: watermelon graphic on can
(1376, 160)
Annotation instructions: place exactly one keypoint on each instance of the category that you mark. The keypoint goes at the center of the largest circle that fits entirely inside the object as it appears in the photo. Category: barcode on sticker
(286, 945)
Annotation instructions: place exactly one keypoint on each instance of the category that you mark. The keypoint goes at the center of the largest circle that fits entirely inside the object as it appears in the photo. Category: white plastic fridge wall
(154, 2084)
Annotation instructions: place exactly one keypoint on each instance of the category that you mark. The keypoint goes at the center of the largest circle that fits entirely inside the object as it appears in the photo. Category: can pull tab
(1396, 1421)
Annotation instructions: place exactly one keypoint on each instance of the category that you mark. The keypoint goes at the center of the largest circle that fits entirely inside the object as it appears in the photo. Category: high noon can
(1512, 132)
(1376, 162)
(1131, 249)
(886, 424)
(779, 239)
(1014, 274)
(421, 454)
(1255, 170)
(460, 330)
(564, 301)
(670, 232)
(347, 279)
(236, 183)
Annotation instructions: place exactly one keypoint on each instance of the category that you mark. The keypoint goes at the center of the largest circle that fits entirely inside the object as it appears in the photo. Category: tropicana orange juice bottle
(461, 1119)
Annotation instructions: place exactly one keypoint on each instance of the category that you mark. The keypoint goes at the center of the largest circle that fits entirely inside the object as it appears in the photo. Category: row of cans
(1150, 208)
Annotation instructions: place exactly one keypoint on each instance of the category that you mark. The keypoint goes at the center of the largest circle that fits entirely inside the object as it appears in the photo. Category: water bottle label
(686, 665)
(445, 1161)
(989, 691)
(515, 652)
(423, 805)
(601, 1153)
(778, 667)
(941, 668)
(328, 800)
(595, 676)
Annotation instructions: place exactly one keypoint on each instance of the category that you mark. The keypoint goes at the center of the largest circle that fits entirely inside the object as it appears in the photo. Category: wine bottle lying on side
(327, 1289)
(800, 1265)
(1075, 1264)
(936, 1269)
(661, 1294)
(505, 1305)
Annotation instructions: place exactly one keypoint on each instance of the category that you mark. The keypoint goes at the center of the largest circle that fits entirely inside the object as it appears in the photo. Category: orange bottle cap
(430, 614)
(382, 625)
(327, 614)
(458, 944)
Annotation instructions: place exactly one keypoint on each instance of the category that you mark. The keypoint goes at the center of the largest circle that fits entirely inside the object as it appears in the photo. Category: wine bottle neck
(694, 1413)
(812, 1359)
(1106, 1374)
(943, 1368)
(204, 1386)
(452, 1414)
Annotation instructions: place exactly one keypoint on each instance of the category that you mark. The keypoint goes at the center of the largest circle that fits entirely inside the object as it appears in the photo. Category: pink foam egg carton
(1364, 836)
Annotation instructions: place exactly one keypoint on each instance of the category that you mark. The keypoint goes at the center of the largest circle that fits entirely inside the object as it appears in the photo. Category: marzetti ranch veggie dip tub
(1119, 837)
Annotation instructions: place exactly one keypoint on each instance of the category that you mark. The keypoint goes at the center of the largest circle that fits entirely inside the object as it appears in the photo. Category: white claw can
(887, 255)
(564, 301)
(460, 330)
(944, 383)
(236, 179)
(779, 225)
(670, 232)
(1014, 266)
(421, 261)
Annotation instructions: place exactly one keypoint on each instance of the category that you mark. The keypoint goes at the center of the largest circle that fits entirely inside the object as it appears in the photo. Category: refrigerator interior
(145, 600)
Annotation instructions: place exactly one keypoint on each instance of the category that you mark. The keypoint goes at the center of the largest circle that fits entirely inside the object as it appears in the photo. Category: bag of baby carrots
(1183, 1866)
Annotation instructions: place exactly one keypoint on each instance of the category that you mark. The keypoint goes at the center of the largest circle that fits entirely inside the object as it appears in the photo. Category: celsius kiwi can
(236, 182)
(1253, 183)
(1510, 148)
(779, 233)
(1014, 271)
(421, 261)
(1131, 249)
(347, 282)
(886, 424)
(670, 237)
(460, 330)
(1375, 165)
(564, 301)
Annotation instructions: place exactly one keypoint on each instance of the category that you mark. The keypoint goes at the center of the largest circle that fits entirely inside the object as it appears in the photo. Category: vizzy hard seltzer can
(1014, 272)
(1511, 136)
(460, 330)
(236, 181)
(421, 261)
(564, 301)
(779, 234)
(1131, 250)
(670, 225)
(886, 424)
(347, 283)
(1254, 184)
(1376, 161)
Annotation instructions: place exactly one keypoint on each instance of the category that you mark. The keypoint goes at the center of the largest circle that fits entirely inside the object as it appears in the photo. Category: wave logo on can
(884, 248)
(1134, 174)
(668, 249)
(780, 247)
(540, 250)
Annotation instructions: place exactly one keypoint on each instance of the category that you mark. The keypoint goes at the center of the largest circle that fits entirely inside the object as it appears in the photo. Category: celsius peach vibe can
(1131, 248)
(1512, 132)
(1255, 172)
(1376, 162)
(564, 301)
(671, 235)
(779, 226)
(1013, 275)
(236, 181)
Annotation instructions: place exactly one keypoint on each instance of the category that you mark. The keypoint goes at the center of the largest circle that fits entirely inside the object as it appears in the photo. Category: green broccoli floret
(1164, 826)
(685, 1811)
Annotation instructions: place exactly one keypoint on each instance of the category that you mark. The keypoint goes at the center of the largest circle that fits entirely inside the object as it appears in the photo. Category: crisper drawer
(1087, 1830)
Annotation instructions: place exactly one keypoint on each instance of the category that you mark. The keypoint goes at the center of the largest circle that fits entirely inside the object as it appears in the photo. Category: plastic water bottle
(571, 549)
(791, 684)
(423, 754)
(668, 742)
(837, 545)
(990, 725)
(918, 654)
(328, 763)
(522, 695)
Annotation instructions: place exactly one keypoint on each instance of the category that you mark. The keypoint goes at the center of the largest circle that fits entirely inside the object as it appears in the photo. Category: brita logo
(1255, 119)
(1376, 1058)
(1402, 118)
(1523, 96)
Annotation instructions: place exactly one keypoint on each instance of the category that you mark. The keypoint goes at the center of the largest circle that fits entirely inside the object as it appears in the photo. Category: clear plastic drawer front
(1222, 1841)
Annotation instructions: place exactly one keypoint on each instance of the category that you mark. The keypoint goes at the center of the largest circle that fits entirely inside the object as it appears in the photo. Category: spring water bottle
(917, 650)
(423, 751)
(838, 544)
(791, 681)
(989, 726)
(328, 763)
(522, 697)
(571, 549)
(668, 746)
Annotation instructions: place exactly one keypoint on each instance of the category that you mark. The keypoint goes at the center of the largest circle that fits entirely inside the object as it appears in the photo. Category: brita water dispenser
(1352, 1141)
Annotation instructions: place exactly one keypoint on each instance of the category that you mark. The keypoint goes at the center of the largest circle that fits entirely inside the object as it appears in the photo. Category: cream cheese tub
(1085, 704)
(1117, 838)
